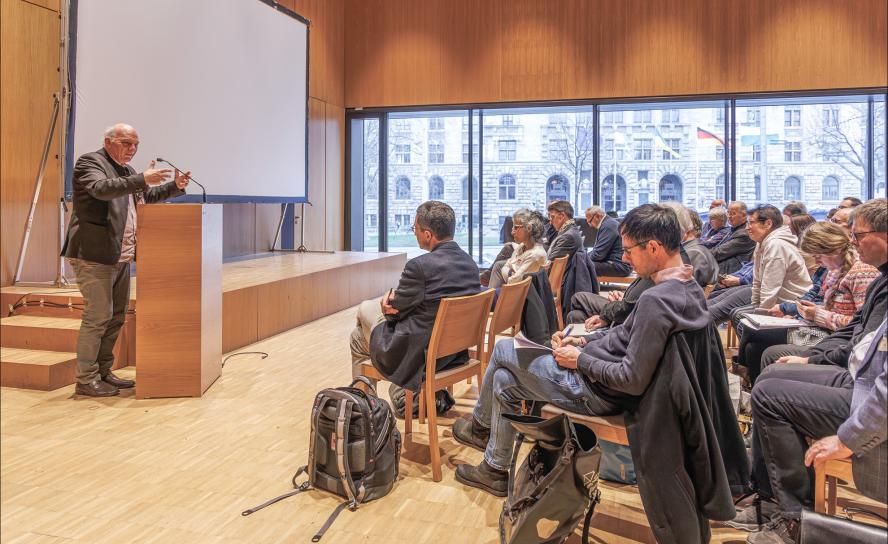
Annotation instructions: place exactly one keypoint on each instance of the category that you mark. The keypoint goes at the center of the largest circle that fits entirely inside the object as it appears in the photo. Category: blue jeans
(507, 382)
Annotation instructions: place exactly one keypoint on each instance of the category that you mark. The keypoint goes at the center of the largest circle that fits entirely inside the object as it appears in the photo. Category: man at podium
(101, 244)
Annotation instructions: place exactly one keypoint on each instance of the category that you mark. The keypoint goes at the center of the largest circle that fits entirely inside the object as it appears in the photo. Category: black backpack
(359, 468)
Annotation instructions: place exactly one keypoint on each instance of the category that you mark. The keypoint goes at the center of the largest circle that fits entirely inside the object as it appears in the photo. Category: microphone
(202, 188)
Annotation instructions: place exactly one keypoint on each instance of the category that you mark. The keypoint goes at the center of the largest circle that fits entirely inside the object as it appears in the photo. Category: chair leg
(422, 407)
(558, 313)
(832, 495)
(408, 412)
(820, 488)
(433, 435)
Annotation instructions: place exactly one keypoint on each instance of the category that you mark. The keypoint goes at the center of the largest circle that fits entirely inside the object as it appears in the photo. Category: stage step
(36, 369)
(46, 301)
(39, 333)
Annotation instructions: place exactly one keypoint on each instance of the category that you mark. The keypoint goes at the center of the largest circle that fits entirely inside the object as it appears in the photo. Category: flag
(754, 140)
(661, 143)
(703, 134)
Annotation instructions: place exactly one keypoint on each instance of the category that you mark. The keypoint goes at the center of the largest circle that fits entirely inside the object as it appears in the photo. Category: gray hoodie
(779, 273)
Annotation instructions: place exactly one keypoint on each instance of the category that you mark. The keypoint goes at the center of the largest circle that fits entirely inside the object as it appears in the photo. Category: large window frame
(355, 220)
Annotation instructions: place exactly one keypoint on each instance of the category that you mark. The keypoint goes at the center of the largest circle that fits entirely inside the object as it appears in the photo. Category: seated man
(718, 228)
(607, 253)
(610, 368)
(692, 252)
(394, 331)
(567, 238)
(736, 247)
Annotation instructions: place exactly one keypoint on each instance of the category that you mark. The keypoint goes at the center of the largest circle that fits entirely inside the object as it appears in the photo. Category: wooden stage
(261, 297)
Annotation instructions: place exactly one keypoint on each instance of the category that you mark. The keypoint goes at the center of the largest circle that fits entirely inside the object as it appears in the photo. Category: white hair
(595, 210)
(684, 217)
(116, 129)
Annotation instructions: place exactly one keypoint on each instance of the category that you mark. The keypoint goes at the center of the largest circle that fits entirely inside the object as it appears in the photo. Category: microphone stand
(301, 248)
(203, 189)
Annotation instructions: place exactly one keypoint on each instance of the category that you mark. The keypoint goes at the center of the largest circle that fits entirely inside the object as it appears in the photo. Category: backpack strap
(340, 445)
(587, 521)
(320, 403)
(320, 534)
(299, 488)
(370, 441)
(563, 460)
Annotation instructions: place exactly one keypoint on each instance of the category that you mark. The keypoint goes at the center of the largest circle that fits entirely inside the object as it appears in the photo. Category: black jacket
(398, 345)
(579, 277)
(731, 253)
(608, 246)
(683, 435)
(101, 201)
(539, 320)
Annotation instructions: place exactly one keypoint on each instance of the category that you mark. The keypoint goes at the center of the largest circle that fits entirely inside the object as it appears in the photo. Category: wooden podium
(179, 299)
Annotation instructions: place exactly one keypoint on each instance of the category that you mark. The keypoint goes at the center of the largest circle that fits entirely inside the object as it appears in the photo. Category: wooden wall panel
(315, 220)
(334, 126)
(400, 52)
(29, 49)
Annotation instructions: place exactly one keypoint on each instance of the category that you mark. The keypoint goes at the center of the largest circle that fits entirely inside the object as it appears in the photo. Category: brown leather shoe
(119, 383)
(96, 388)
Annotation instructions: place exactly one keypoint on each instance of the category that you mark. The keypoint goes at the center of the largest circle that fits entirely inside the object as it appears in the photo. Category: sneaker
(782, 530)
(748, 519)
(469, 433)
(484, 477)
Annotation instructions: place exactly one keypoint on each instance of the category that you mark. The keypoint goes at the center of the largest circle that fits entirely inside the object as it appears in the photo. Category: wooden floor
(181, 470)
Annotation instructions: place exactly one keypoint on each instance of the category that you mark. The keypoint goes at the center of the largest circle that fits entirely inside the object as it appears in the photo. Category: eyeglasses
(516, 226)
(859, 236)
(628, 249)
(838, 221)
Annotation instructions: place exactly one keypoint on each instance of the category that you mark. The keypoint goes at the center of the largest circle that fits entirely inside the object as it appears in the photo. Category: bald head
(121, 143)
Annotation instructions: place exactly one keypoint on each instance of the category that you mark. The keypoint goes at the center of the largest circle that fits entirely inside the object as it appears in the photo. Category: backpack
(354, 450)
(556, 484)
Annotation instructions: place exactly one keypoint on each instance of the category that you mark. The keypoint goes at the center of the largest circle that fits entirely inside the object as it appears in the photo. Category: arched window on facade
(436, 188)
(402, 188)
(792, 188)
(670, 188)
(557, 188)
(830, 189)
(507, 187)
(465, 188)
(613, 200)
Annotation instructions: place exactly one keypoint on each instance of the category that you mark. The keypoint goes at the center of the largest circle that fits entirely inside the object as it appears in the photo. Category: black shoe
(443, 402)
(96, 388)
(781, 530)
(484, 477)
(119, 383)
(469, 433)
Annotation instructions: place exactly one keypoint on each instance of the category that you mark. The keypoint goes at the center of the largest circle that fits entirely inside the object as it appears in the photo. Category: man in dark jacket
(610, 369)
(394, 332)
(567, 239)
(737, 246)
(101, 244)
(607, 253)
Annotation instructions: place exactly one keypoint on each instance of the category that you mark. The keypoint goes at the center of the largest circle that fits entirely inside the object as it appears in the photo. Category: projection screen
(218, 88)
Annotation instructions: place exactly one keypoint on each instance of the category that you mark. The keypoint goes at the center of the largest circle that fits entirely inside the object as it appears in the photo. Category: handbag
(556, 483)
(806, 336)
(822, 529)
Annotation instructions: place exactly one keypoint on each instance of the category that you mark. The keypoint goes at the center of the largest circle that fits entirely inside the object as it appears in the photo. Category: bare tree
(841, 139)
(571, 144)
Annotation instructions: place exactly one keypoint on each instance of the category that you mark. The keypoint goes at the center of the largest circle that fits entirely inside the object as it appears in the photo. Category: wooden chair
(825, 483)
(506, 315)
(623, 280)
(608, 428)
(556, 277)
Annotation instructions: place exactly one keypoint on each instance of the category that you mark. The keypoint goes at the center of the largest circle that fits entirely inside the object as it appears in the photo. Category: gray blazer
(865, 432)
(101, 201)
(705, 265)
(566, 243)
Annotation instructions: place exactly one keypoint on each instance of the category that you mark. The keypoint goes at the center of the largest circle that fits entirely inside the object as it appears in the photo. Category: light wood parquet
(79, 470)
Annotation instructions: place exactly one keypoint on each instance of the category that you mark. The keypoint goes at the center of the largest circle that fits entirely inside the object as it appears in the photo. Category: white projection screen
(216, 87)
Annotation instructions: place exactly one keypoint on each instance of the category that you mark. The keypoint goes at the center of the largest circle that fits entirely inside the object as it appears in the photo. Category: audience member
(736, 247)
(717, 203)
(394, 331)
(568, 238)
(528, 254)
(697, 221)
(831, 213)
(850, 202)
(842, 409)
(797, 225)
(607, 253)
(596, 379)
(779, 273)
(692, 252)
(793, 207)
(718, 228)
(841, 218)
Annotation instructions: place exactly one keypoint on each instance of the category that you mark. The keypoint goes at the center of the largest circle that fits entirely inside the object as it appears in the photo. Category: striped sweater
(842, 296)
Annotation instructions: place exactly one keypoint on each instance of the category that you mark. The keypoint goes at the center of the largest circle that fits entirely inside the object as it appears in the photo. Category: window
(792, 116)
(674, 144)
(720, 116)
(830, 189)
(830, 116)
(436, 153)
(609, 151)
(792, 188)
(670, 188)
(507, 187)
(613, 201)
(613, 117)
(670, 116)
(792, 151)
(719, 152)
(403, 222)
(465, 153)
(508, 120)
(642, 175)
(558, 150)
(465, 188)
(754, 117)
(756, 152)
(643, 149)
(436, 188)
(757, 188)
(641, 116)
(402, 153)
(436, 123)
(371, 221)
(720, 187)
(402, 188)
(557, 188)
(508, 150)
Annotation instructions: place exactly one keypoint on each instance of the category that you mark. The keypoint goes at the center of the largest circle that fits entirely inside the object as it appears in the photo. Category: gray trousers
(369, 316)
(720, 307)
(105, 289)
(584, 305)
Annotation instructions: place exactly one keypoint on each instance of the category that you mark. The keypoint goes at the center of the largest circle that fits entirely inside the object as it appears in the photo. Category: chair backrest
(459, 325)
(556, 274)
(708, 290)
(507, 314)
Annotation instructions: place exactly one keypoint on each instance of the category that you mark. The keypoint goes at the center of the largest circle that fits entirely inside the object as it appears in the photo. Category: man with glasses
(607, 253)
(567, 238)
(736, 247)
(595, 374)
(394, 331)
(842, 217)
(834, 394)
(101, 244)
